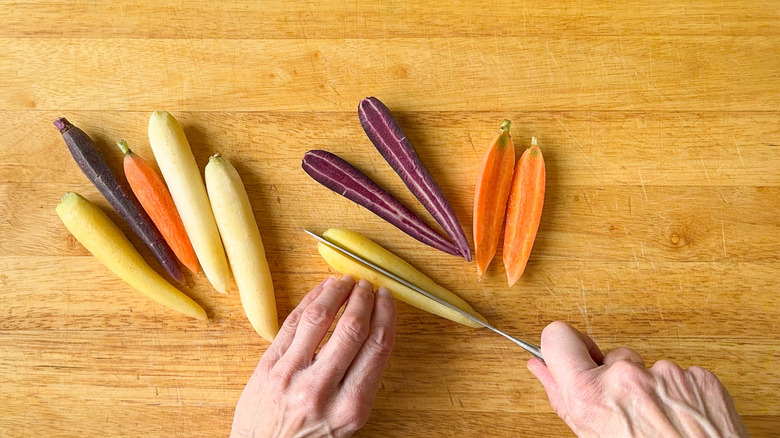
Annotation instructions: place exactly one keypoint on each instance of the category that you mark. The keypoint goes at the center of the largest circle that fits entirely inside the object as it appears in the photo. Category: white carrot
(245, 250)
(181, 173)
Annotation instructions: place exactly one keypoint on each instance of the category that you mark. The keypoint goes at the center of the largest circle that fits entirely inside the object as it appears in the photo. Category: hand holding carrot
(294, 392)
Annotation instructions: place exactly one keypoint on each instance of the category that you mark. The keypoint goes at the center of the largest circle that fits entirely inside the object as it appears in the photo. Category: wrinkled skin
(299, 392)
(615, 395)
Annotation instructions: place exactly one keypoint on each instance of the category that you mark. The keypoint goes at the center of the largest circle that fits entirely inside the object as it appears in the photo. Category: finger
(287, 332)
(542, 373)
(568, 353)
(315, 322)
(349, 335)
(361, 380)
(623, 353)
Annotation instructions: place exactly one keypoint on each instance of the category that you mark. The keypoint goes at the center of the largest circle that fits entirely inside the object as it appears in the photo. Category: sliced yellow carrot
(245, 250)
(371, 251)
(101, 237)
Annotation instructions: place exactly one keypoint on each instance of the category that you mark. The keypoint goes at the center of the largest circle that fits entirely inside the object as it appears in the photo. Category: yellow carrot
(371, 251)
(101, 237)
(243, 244)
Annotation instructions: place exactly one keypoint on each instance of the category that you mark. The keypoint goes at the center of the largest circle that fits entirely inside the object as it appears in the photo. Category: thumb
(568, 353)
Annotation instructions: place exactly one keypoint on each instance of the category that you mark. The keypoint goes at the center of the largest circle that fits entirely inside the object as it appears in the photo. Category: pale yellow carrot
(181, 173)
(243, 244)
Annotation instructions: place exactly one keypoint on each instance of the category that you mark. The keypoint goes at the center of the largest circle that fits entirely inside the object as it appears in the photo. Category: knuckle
(279, 382)
(341, 285)
(265, 367)
(704, 375)
(353, 330)
(629, 375)
(667, 368)
(317, 314)
(292, 320)
(362, 294)
(382, 340)
(353, 415)
(386, 306)
(308, 395)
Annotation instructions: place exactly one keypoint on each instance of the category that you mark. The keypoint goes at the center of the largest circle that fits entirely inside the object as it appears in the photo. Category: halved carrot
(490, 196)
(524, 211)
(155, 198)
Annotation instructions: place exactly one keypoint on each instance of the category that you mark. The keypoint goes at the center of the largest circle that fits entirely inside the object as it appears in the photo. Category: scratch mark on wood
(584, 309)
(587, 199)
(723, 234)
(468, 133)
(738, 151)
(553, 294)
(705, 167)
(641, 180)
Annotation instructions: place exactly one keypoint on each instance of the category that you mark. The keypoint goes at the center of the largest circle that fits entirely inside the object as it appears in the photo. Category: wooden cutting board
(659, 123)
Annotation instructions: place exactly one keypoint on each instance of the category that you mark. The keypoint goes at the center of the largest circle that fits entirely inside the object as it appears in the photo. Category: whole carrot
(180, 171)
(524, 211)
(101, 237)
(490, 196)
(155, 198)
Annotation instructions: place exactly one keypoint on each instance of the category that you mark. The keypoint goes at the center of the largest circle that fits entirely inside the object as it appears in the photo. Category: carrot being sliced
(490, 196)
(524, 211)
(155, 198)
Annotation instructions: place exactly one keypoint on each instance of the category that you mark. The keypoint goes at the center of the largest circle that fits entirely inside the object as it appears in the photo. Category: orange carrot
(154, 196)
(493, 184)
(524, 211)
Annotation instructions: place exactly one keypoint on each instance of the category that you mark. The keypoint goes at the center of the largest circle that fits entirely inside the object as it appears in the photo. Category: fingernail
(385, 293)
(348, 279)
(365, 284)
(328, 281)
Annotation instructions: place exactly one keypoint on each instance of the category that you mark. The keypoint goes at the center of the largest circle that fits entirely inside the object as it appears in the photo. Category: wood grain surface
(660, 127)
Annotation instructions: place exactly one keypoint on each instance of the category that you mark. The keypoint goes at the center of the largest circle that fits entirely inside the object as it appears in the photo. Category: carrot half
(490, 196)
(155, 198)
(524, 211)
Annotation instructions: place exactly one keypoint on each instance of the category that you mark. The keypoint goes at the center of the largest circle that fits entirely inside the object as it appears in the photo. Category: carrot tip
(505, 125)
(533, 140)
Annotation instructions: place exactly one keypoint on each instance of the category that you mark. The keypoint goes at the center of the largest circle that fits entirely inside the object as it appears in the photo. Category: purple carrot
(390, 140)
(343, 178)
(117, 194)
